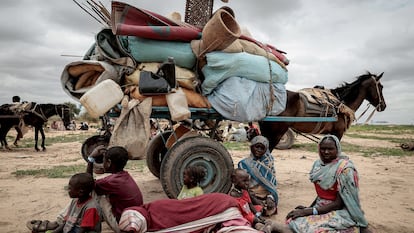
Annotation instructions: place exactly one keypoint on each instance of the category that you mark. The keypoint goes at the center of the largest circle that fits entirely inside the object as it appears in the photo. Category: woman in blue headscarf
(336, 207)
(260, 166)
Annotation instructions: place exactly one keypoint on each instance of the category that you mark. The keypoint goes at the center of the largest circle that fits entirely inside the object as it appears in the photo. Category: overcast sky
(327, 41)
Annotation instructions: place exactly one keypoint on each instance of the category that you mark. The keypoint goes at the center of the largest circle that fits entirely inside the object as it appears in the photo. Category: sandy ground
(387, 185)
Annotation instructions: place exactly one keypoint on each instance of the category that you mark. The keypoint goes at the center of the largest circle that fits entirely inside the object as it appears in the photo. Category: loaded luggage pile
(144, 60)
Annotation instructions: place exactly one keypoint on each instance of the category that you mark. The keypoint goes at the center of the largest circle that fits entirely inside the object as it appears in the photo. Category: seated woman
(196, 214)
(336, 207)
(262, 174)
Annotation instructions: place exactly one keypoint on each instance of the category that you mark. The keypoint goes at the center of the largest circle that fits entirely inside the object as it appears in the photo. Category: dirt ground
(386, 183)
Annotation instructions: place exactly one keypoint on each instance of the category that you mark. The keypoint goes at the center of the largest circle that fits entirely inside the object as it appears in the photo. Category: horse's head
(64, 112)
(374, 92)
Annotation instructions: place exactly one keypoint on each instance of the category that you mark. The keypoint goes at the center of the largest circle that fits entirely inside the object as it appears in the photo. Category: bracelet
(91, 159)
(314, 211)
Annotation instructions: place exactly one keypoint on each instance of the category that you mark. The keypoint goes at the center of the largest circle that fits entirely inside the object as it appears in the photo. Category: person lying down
(212, 211)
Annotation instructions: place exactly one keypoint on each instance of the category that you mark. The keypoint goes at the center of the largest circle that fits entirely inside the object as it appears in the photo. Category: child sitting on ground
(118, 190)
(192, 177)
(249, 206)
(82, 214)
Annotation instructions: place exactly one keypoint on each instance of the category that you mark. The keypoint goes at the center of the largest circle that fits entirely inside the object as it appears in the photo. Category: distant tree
(74, 110)
(84, 116)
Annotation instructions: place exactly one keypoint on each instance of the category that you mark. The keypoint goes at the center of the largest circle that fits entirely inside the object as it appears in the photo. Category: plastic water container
(102, 97)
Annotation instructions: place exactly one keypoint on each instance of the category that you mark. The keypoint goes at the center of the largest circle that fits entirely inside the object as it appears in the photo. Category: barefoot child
(249, 206)
(252, 213)
(192, 177)
(81, 216)
(260, 166)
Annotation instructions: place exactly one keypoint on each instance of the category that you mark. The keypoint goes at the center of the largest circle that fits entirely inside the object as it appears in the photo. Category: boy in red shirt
(119, 188)
(82, 213)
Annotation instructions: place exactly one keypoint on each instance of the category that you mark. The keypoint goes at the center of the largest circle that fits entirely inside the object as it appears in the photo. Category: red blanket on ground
(167, 213)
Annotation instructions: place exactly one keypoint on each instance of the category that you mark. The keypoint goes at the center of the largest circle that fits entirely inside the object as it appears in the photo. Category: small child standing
(81, 215)
(192, 177)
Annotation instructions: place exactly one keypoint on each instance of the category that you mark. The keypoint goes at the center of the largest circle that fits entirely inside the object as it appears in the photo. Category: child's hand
(98, 151)
(270, 203)
(261, 220)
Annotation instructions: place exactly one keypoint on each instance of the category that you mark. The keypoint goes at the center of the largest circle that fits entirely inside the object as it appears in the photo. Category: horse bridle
(369, 104)
(381, 98)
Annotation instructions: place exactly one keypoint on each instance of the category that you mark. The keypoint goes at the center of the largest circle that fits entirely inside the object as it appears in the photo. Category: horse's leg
(273, 131)
(36, 137)
(18, 136)
(3, 140)
(6, 146)
(4, 143)
(42, 132)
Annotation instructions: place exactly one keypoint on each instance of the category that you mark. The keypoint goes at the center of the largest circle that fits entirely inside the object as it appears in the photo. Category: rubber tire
(156, 151)
(202, 151)
(91, 143)
(287, 140)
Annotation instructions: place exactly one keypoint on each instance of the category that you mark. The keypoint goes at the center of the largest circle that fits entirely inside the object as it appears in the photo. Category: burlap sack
(132, 129)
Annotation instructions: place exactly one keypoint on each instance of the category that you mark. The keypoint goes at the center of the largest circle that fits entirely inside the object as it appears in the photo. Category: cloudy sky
(327, 42)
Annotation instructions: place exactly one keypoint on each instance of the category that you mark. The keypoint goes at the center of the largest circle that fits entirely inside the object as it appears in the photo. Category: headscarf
(261, 169)
(132, 220)
(343, 171)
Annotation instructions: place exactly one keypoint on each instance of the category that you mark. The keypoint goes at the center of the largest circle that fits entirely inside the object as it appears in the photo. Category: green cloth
(192, 192)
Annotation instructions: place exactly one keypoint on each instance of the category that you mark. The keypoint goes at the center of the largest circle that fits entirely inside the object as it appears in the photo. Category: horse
(37, 116)
(8, 119)
(365, 87)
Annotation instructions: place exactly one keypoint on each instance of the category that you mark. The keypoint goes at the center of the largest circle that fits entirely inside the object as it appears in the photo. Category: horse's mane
(347, 91)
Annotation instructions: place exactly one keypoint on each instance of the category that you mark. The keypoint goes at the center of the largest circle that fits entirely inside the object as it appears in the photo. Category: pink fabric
(129, 20)
(269, 48)
(236, 222)
(122, 191)
(166, 213)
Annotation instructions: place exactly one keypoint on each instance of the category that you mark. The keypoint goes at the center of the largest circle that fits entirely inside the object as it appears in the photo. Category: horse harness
(42, 115)
(322, 102)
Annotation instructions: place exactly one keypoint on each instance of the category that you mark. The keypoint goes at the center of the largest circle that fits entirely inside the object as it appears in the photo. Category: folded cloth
(182, 215)
(244, 100)
(221, 66)
(132, 220)
(80, 76)
(129, 20)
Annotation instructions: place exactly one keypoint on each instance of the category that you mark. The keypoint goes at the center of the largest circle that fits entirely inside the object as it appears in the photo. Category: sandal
(38, 226)
(33, 225)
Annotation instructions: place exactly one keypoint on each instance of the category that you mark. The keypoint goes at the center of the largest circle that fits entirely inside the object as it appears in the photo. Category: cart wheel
(156, 151)
(287, 140)
(197, 151)
(91, 143)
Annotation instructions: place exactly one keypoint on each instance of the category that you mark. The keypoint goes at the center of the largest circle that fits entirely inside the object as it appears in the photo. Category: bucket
(102, 97)
(219, 32)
